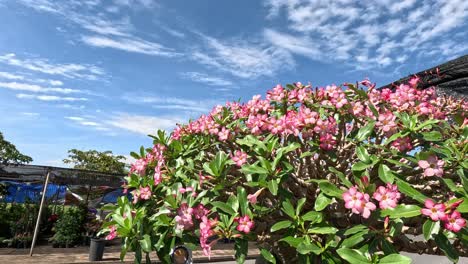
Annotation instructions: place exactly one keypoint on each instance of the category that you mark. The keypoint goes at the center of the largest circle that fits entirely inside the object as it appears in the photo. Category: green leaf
(323, 230)
(242, 198)
(360, 166)
(395, 259)
(308, 247)
(401, 211)
(288, 208)
(207, 168)
(354, 239)
(281, 225)
(321, 202)
(224, 207)
(463, 207)
(268, 256)
(330, 189)
(312, 216)
(385, 174)
(145, 243)
(355, 229)
(405, 188)
(306, 154)
(353, 256)
(365, 131)
(273, 186)
(241, 247)
(253, 169)
(300, 204)
(292, 241)
(341, 176)
(432, 136)
(234, 203)
(444, 244)
(430, 228)
(362, 154)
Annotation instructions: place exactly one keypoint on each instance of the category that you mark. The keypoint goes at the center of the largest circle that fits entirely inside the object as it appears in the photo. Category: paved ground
(222, 254)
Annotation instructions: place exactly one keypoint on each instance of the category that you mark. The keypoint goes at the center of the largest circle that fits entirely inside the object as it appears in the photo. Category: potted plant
(97, 244)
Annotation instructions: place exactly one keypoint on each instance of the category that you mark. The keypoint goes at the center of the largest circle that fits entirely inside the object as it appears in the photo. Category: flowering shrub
(334, 174)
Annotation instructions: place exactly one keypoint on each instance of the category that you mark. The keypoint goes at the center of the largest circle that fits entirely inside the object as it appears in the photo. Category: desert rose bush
(340, 174)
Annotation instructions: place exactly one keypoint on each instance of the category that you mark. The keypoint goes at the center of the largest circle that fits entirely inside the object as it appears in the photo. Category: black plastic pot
(96, 249)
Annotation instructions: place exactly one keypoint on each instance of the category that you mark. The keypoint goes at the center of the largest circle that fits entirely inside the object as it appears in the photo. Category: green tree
(95, 160)
(9, 154)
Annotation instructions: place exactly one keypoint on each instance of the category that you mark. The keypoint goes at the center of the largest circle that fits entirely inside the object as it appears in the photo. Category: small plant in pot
(93, 224)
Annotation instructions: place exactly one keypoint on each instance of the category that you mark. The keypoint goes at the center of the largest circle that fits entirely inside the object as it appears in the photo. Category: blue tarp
(111, 197)
(25, 192)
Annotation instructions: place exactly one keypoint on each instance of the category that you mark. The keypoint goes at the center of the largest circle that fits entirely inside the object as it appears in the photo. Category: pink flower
(145, 193)
(327, 142)
(402, 144)
(387, 196)
(435, 211)
(386, 122)
(455, 222)
(112, 233)
(239, 157)
(432, 166)
(136, 196)
(253, 197)
(353, 199)
(223, 135)
(184, 190)
(200, 211)
(245, 224)
(358, 202)
(157, 177)
(139, 166)
(184, 217)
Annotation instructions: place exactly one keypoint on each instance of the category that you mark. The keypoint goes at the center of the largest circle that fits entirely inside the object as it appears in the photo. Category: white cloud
(341, 30)
(241, 58)
(142, 124)
(197, 106)
(106, 31)
(303, 46)
(87, 122)
(206, 79)
(10, 76)
(130, 45)
(36, 88)
(31, 114)
(50, 97)
(69, 70)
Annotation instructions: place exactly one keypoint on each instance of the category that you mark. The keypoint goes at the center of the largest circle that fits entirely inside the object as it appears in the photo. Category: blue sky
(102, 74)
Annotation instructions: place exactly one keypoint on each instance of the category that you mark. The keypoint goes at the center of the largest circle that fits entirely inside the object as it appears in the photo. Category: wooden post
(38, 221)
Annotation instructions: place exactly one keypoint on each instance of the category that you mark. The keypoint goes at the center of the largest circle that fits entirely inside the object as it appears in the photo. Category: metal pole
(36, 229)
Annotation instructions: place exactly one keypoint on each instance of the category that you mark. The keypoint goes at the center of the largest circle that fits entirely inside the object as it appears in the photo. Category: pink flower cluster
(432, 166)
(294, 111)
(206, 231)
(359, 203)
(388, 196)
(185, 220)
(452, 219)
(157, 154)
(144, 193)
